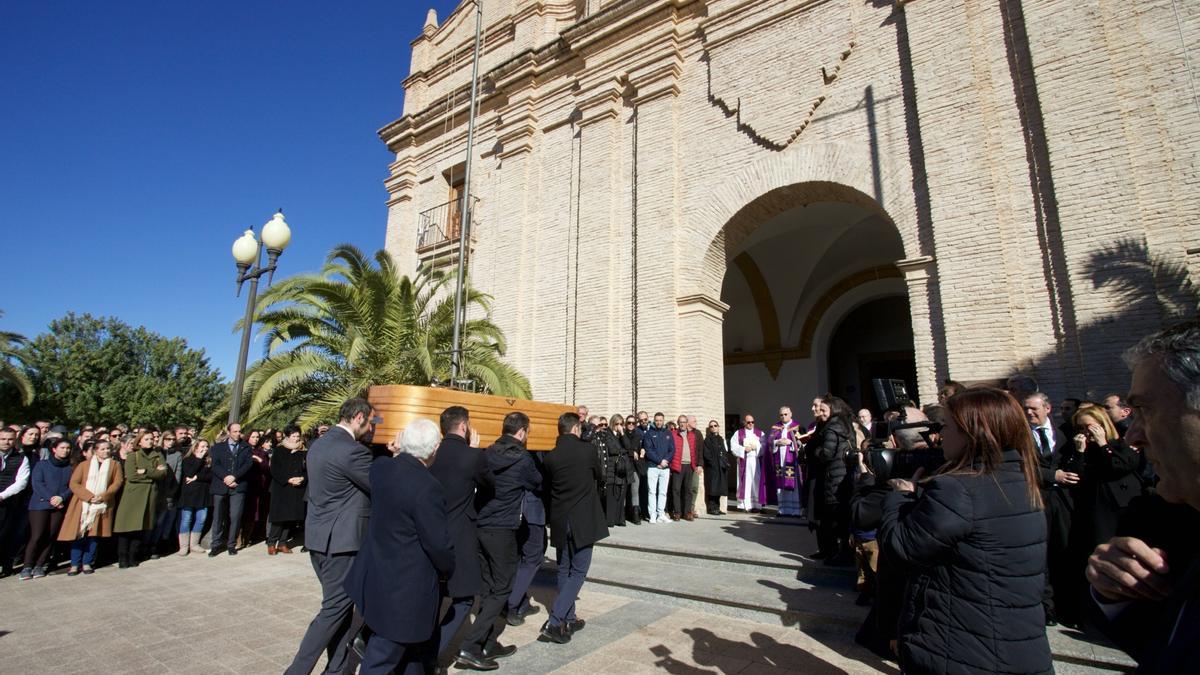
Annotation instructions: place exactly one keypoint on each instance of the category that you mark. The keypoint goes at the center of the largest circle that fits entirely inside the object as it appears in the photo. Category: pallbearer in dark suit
(339, 506)
(499, 509)
(460, 468)
(394, 578)
(573, 471)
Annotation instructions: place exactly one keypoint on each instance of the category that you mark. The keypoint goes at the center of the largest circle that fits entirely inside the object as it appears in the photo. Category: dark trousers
(279, 534)
(227, 518)
(129, 546)
(330, 630)
(573, 564)
(614, 504)
(497, 564)
(531, 540)
(12, 519)
(681, 491)
(43, 528)
(383, 657)
(452, 620)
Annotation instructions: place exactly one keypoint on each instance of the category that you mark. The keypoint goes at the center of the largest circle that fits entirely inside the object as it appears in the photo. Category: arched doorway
(800, 284)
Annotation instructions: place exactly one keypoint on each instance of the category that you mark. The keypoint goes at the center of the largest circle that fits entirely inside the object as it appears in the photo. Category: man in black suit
(1050, 444)
(1147, 592)
(394, 578)
(231, 461)
(573, 471)
(339, 507)
(460, 468)
(499, 509)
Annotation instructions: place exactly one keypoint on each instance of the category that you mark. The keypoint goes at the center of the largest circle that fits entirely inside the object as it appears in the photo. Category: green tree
(102, 370)
(330, 336)
(12, 365)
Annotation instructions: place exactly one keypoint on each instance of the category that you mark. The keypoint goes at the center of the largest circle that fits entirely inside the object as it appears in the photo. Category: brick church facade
(713, 206)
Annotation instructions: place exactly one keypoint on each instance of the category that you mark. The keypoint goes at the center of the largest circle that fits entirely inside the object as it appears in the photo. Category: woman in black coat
(616, 472)
(826, 453)
(716, 468)
(1104, 473)
(972, 546)
(287, 490)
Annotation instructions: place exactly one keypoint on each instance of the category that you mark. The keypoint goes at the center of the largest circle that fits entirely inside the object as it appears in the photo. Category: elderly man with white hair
(394, 579)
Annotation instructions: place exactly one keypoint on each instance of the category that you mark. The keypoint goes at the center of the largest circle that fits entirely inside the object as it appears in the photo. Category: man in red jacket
(683, 467)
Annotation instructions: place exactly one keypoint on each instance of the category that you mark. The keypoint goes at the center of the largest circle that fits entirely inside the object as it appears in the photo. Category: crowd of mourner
(993, 512)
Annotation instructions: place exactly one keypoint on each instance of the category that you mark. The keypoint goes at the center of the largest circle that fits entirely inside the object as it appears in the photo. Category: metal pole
(468, 210)
(235, 407)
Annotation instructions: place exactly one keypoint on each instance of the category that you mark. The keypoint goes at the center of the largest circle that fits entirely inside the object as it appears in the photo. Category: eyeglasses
(714, 426)
(749, 422)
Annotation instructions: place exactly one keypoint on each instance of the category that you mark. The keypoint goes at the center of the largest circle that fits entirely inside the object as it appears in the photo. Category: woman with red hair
(971, 543)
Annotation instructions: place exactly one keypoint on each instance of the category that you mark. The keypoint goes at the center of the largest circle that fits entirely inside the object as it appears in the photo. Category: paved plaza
(725, 597)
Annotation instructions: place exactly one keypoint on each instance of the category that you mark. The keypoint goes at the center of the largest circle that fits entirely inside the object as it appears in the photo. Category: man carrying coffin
(749, 446)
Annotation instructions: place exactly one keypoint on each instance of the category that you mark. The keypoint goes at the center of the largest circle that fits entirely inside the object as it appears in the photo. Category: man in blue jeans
(573, 470)
(660, 450)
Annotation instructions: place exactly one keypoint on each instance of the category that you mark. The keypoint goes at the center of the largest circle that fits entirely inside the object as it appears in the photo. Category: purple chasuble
(783, 461)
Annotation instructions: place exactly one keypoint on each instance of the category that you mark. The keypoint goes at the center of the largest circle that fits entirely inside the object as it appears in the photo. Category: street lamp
(246, 252)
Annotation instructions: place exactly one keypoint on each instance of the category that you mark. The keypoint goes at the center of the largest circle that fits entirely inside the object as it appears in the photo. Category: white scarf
(97, 483)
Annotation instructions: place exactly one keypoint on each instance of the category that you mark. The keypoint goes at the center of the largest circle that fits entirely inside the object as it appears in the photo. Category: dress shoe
(514, 620)
(528, 610)
(675, 518)
(575, 626)
(735, 509)
(555, 634)
(818, 555)
(755, 510)
(470, 661)
(720, 513)
(499, 651)
(233, 551)
(270, 550)
(689, 517)
(284, 549)
(215, 551)
(1050, 620)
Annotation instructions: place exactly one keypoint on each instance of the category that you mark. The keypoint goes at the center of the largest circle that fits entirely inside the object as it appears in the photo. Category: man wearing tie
(1049, 443)
(231, 461)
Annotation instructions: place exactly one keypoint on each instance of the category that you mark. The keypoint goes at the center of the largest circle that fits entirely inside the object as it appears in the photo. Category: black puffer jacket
(499, 505)
(826, 452)
(975, 553)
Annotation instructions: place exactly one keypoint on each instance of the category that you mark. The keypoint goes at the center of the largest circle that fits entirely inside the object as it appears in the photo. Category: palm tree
(12, 370)
(330, 336)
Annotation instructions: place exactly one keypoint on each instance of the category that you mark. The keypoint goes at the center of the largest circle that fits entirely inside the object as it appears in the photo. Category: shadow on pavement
(713, 653)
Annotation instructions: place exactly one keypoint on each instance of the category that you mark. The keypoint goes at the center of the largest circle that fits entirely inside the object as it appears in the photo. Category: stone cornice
(915, 268)
(701, 305)
(747, 17)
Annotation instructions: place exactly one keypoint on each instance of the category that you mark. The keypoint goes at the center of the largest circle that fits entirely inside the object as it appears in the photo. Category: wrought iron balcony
(438, 230)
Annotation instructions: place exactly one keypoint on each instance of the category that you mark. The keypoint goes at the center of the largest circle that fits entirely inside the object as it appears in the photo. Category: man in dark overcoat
(460, 467)
(573, 471)
(407, 532)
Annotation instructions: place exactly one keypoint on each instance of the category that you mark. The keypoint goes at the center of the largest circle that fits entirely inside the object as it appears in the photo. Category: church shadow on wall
(1152, 293)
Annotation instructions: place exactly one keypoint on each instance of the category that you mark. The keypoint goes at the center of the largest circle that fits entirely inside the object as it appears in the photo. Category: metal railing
(439, 224)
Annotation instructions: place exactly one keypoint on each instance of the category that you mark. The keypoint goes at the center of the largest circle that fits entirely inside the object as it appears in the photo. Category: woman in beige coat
(95, 484)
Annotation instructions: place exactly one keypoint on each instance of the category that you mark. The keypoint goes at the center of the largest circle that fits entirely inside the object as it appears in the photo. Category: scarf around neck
(97, 484)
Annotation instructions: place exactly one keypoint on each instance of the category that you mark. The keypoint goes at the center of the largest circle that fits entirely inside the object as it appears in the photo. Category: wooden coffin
(399, 404)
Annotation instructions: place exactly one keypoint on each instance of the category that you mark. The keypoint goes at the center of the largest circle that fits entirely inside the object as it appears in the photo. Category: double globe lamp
(247, 253)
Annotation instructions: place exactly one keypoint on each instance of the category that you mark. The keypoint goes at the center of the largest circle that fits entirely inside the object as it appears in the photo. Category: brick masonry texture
(1009, 143)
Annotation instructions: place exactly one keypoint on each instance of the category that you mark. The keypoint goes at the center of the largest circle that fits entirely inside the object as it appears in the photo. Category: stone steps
(809, 596)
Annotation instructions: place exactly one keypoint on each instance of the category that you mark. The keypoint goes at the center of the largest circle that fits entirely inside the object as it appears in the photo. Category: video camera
(887, 463)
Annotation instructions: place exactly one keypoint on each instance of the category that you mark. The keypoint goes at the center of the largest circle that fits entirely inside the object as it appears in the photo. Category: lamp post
(246, 252)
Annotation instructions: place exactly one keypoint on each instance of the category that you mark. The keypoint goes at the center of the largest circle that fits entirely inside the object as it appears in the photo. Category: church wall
(916, 110)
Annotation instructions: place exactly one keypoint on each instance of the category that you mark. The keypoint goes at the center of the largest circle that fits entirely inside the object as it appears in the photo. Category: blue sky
(139, 138)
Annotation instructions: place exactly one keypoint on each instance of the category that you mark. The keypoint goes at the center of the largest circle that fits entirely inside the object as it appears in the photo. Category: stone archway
(729, 219)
